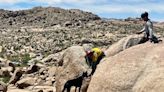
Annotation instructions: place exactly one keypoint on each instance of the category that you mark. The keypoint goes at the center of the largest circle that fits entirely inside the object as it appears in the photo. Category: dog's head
(85, 74)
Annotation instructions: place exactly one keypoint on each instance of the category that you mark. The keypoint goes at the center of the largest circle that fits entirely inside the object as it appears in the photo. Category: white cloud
(129, 0)
(10, 1)
(65, 1)
(50, 2)
(119, 8)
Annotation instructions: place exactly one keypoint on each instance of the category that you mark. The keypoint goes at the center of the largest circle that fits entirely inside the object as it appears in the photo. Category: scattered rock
(32, 55)
(18, 90)
(68, 23)
(7, 70)
(4, 72)
(26, 82)
(1, 49)
(4, 61)
(16, 76)
(32, 69)
(45, 88)
(48, 58)
(3, 87)
(87, 47)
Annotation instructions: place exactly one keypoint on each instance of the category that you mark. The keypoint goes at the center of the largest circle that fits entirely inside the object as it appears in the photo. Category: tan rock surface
(137, 69)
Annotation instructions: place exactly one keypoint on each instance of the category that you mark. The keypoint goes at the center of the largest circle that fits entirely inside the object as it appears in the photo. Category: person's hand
(150, 39)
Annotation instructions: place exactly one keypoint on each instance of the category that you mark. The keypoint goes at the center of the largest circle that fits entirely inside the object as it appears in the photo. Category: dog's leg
(63, 90)
(75, 89)
(68, 89)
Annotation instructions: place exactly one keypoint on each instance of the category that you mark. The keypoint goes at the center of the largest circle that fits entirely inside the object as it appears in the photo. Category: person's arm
(141, 31)
(150, 28)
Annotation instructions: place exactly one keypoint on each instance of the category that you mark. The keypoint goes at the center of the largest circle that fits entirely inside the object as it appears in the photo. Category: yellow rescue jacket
(96, 53)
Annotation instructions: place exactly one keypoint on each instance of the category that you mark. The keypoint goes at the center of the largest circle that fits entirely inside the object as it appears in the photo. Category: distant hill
(44, 16)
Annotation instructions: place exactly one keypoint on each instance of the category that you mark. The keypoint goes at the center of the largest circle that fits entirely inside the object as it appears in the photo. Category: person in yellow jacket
(93, 57)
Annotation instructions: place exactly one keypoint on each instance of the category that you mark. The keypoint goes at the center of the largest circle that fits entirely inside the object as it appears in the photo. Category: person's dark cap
(145, 14)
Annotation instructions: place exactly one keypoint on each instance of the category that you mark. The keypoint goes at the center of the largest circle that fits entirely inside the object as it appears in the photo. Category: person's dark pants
(154, 39)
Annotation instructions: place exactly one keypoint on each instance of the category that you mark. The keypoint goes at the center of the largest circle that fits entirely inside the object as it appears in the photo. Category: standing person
(148, 29)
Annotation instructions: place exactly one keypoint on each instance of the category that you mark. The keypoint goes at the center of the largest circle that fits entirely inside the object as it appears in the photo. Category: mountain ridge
(44, 16)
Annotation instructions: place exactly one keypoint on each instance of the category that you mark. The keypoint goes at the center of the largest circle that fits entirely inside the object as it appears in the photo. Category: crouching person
(93, 58)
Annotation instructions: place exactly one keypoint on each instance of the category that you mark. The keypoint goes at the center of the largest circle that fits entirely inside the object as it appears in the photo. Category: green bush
(22, 59)
(5, 79)
(2, 53)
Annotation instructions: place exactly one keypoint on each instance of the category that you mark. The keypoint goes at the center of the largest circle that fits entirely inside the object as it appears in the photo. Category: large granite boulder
(123, 44)
(73, 65)
(137, 69)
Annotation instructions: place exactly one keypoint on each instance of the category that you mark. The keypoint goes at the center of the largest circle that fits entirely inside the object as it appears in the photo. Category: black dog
(74, 82)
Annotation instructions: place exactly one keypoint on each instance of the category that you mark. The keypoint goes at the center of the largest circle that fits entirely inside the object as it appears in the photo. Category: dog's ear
(85, 74)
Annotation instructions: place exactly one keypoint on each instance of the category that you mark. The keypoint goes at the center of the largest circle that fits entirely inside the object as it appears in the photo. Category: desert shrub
(21, 60)
(5, 79)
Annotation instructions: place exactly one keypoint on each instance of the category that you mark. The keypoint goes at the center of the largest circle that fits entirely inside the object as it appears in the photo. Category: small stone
(1, 49)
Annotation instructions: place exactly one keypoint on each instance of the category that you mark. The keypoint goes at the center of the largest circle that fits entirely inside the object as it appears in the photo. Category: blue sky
(103, 8)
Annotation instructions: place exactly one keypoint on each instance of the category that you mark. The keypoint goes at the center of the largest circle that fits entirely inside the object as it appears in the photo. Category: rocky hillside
(44, 17)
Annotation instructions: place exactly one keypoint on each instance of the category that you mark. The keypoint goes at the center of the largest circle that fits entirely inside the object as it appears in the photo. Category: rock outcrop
(32, 69)
(123, 44)
(73, 65)
(7, 70)
(26, 82)
(3, 87)
(16, 76)
(137, 69)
